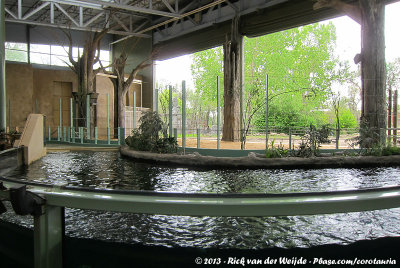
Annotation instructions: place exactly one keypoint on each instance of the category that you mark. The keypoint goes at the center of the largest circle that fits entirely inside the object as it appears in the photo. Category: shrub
(147, 138)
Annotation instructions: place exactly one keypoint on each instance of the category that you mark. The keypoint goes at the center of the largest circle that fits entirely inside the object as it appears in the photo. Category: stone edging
(252, 161)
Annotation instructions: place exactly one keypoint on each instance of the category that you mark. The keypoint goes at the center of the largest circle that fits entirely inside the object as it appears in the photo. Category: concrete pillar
(3, 109)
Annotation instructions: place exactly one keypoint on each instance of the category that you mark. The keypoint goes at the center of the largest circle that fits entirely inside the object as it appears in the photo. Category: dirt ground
(255, 144)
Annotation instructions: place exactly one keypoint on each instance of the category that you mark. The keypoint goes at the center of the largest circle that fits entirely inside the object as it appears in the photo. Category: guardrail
(46, 203)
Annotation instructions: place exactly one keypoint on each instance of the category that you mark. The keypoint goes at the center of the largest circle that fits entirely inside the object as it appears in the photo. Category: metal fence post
(49, 133)
(337, 138)
(170, 110)
(176, 133)
(290, 138)
(183, 115)
(88, 117)
(218, 117)
(134, 110)
(95, 135)
(266, 112)
(48, 234)
(81, 134)
(198, 138)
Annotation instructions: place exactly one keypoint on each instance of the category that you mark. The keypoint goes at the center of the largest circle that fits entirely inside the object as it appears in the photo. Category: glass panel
(59, 60)
(40, 58)
(16, 52)
(40, 48)
(59, 51)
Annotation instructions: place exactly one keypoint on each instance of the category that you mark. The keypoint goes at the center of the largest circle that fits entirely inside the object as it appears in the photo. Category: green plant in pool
(276, 152)
(147, 136)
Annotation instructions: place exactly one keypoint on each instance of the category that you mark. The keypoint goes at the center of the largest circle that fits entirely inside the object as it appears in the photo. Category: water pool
(107, 170)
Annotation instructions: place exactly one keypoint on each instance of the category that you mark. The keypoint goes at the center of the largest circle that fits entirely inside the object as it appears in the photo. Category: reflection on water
(107, 170)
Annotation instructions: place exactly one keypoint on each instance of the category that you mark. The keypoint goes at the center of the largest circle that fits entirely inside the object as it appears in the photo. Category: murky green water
(107, 170)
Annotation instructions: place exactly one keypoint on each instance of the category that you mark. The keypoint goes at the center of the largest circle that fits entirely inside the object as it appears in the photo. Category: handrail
(213, 204)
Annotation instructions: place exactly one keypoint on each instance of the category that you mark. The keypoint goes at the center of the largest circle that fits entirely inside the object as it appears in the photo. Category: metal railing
(46, 203)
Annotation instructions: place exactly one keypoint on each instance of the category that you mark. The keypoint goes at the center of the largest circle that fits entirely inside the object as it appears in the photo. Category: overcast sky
(348, 45)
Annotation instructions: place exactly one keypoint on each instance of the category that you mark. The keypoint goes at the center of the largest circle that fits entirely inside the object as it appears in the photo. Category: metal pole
(134, 110)
(88, 117)
(266, 112)
(156, 99)
(290, 139)
(71, 104)
(95, 135)
(183, 115)
(108, 118)
(60, 115)
(170, 110)
(3, 103)
(218, 116)
(198, 138)
(9, 114)
(49, 133)
(176, 133)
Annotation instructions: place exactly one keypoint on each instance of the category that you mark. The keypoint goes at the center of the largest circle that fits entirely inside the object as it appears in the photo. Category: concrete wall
(30, 86)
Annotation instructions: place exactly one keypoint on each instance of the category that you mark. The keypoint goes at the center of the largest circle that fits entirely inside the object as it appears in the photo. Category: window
(16, 52)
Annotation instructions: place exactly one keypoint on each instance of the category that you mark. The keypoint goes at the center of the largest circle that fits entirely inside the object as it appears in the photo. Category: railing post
(290, 139)
(88, 117)
(73, 134)
(68, 134)
(218, 117)
(119, 136)
(170, 110)
(198, 138)
(48, 235)
(64, 133)
(134, 110)
(266, 112)
(81, 134)
(49, 133)
(58, 133)
(176, 133)
(95, 135)
(108, 135)
(183, 115)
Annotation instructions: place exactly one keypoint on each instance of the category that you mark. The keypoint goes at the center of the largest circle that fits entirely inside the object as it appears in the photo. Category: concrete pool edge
(253, 162)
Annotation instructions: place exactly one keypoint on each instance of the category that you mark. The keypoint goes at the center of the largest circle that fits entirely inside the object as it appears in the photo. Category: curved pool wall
(362, 225)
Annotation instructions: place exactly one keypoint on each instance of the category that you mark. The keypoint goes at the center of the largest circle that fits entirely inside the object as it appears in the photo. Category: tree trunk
(373, 70)
(233, 75)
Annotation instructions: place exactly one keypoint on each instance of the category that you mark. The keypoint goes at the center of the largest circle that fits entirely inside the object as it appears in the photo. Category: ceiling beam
(103, 4)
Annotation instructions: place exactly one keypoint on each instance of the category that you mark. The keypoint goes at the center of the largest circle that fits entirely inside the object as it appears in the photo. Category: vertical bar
(69, 134)
(58, 133)
(108, 118)
(9, 114)
(218, 116)
(198, 138)
(48, 236)
(389, 120)
(60, 115)
(95, 135)
(122, 137)
(49, 134)
(73, 134)
(290, 138)
(81, 134)
(156, 99)
(71, 113)
(88, 117)
(119, 135)
(395, 99)
(134, 110)
(64, 133)
(3, 109)
(170, 110)
(176, 133)
(266, 112)
(183, 115)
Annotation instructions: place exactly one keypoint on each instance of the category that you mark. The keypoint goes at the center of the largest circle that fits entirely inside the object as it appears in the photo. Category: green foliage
(368, 139)
(146, 138)
(347, 119)
(276, 152)
(312, 139)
